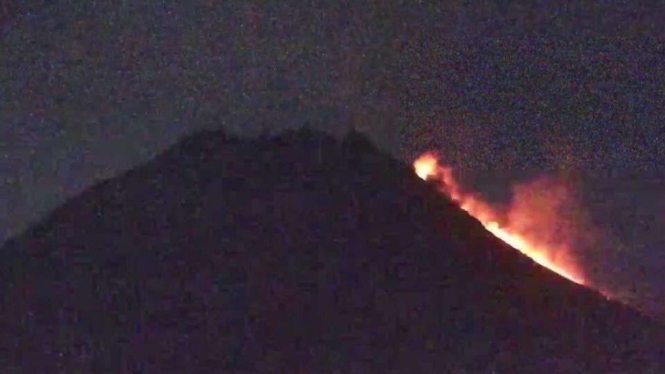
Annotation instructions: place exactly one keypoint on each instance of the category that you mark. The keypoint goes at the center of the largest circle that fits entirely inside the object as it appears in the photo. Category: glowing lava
(426, 165)
(531, 227)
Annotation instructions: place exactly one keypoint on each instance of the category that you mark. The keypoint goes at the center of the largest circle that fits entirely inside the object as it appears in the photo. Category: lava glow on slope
(527, 225)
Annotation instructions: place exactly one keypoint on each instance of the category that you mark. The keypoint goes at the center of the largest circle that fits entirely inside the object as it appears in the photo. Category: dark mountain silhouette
(297, 253)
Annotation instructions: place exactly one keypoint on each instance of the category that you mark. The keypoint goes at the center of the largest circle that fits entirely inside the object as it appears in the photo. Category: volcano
(298, 253)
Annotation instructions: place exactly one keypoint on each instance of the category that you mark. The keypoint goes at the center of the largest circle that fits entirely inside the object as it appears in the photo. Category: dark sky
(504, 92)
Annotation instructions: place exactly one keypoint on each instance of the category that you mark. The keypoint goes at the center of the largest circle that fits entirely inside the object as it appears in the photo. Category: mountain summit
(294, 254)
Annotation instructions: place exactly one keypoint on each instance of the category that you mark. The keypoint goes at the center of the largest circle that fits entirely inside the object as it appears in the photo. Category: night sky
(503, 92)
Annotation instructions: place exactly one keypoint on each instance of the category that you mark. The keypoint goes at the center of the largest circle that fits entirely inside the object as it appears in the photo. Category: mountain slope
(293, 254)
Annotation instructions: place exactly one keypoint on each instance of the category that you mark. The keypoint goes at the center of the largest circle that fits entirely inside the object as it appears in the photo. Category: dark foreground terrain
(295, 254)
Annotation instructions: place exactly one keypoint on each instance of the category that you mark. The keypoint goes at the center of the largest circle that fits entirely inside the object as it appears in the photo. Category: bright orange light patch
(425, 165)
(532, 224)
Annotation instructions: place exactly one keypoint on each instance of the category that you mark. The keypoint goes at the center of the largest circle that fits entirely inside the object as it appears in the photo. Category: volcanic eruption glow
(531, 225)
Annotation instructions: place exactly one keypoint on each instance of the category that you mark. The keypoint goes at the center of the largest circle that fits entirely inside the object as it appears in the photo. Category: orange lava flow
(528, 225)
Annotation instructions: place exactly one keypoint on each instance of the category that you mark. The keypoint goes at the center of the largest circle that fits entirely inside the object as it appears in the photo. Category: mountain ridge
(295, 251)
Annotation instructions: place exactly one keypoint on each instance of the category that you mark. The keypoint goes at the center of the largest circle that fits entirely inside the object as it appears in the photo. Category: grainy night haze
(505, 94)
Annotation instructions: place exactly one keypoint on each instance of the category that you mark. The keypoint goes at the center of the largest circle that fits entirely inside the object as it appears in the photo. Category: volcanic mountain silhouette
(297, 253)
